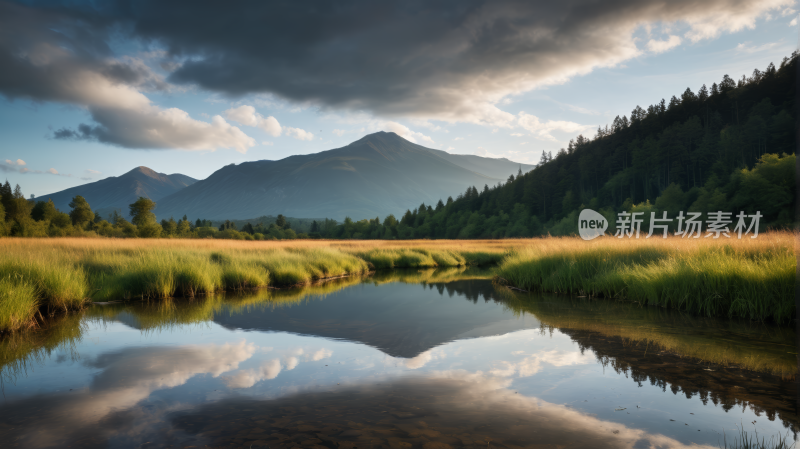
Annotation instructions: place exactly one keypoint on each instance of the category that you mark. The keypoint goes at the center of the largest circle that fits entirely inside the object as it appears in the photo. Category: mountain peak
(145, 171)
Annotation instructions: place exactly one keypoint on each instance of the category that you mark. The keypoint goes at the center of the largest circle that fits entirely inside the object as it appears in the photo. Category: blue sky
(512, 110)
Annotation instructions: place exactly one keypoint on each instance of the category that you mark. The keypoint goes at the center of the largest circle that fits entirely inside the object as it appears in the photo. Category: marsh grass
(719, 277)
(62, 274)
(748, 278)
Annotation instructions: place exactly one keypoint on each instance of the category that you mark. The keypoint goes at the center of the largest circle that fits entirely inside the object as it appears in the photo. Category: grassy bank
(748, 278)
(47, 276)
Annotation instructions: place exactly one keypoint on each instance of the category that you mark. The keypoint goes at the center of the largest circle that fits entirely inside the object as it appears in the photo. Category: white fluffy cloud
(544, 130)
(247, 115)
(271, 368)
(659, 46)
(533, 364)
(299, 134)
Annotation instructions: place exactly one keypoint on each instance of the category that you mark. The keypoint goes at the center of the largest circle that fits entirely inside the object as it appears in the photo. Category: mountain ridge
(377, 175)
(117, 192)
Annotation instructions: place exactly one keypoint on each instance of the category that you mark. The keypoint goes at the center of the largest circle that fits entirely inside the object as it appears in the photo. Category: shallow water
(431, 359)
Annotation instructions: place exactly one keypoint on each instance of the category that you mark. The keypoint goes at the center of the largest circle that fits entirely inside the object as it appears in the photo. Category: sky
(92, 89)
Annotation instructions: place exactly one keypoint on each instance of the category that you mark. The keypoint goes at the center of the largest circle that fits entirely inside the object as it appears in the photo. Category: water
(430, 359)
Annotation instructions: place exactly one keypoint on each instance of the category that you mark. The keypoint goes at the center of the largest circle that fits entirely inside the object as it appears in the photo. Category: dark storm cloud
(63, 55)
(449, 60)
(452, 60)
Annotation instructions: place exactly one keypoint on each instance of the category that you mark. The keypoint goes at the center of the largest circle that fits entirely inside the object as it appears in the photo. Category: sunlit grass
(62, 274)
(748, 278)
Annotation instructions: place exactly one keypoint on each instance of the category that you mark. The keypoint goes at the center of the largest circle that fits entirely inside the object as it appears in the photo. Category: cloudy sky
(93, 89)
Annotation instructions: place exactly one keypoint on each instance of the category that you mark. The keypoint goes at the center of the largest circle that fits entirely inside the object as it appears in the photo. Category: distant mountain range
(117, 192)
(378, 175)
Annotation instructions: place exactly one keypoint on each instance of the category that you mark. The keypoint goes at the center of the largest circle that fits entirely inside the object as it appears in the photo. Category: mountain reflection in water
(430, 358)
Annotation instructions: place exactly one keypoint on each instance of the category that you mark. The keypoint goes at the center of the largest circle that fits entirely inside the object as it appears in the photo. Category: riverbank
(747, 278)
(49, 276)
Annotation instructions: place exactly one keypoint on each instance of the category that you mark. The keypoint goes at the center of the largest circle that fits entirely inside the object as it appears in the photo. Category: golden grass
(749, 278)
(62, 273)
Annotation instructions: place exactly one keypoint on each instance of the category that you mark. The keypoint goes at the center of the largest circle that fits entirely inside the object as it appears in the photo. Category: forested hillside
(729, 147)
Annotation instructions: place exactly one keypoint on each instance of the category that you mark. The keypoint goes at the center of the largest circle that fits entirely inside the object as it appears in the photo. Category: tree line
(21, 217)
(725, 148)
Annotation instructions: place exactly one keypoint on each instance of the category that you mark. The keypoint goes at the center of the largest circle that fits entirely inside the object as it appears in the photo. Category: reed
(748, 278)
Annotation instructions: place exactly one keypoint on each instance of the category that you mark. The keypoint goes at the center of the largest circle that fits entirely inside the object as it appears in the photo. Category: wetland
(429, 358)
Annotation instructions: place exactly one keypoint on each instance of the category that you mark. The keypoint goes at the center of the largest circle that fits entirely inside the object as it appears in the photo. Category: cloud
(19, 166)
(267, 143)
(93, 172)
(661, 46)
(517, 134)
(793, 22)
(533, 364)
(747, 47)
(403, 131)
(248, 378)
(299, 134)
(339, 132)
(458, 65)
(544, 130)
(124, 378)
(62, 56)
(271, 368)
(247, 115)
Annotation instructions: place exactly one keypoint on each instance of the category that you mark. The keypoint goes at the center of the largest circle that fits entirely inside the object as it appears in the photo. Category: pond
(429, 359)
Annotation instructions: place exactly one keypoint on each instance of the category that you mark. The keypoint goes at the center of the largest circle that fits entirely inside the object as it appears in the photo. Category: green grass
(18, 304)
(752, 279)
(62, 275)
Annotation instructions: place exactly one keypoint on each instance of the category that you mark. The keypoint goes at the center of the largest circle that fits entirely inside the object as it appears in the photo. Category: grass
(63, 274)
(727, 277)
(748, 278)
(750, 441)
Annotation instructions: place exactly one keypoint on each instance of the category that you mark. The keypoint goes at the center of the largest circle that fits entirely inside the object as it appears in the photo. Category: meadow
(749, 278)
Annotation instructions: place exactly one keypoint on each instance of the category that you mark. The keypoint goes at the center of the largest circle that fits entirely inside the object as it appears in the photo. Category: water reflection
(424, 358)
(447, 409)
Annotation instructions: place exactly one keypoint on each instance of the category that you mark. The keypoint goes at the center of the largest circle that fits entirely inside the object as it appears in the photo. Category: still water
(429, 359)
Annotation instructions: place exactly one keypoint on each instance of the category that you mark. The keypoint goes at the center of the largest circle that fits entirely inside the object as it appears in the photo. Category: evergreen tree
(81, 213)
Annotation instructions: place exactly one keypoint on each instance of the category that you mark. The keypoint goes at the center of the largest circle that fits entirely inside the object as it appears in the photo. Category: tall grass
(748, 278)
(62, 274)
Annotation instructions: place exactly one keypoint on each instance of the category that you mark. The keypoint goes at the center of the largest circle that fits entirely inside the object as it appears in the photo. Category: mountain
(378, 175)
(117, 192)
(494, 168)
